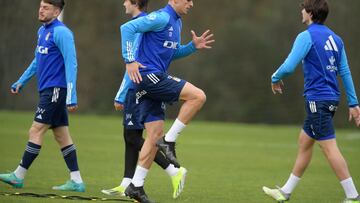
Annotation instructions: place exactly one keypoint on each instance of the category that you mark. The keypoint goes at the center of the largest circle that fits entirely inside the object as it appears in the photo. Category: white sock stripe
(65, 154)
(68, 150)
(32, 150)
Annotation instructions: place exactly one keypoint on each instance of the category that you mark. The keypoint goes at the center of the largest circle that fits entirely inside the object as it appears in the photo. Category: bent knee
(200, 96)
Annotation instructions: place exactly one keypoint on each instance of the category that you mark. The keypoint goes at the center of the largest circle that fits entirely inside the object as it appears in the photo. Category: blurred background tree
(253, 38)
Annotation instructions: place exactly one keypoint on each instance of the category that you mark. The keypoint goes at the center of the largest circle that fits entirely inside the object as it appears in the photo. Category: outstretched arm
(198, 42)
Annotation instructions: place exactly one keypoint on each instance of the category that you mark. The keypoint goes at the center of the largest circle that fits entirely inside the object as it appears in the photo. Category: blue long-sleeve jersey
(126, 83)
(323, 55)
(160, 42)
(55, 63)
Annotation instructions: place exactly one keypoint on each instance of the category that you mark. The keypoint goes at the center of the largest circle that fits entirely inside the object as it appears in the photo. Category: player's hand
(118, 106)
(133, 71)
(16, 90)
(354, 113)
(72, 109)
(203, 41)
(277, 87)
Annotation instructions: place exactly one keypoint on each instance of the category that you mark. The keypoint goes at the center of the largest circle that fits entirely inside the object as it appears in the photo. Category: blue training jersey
(126, 83)
(323, 56)
(55, 63)
(160, 42)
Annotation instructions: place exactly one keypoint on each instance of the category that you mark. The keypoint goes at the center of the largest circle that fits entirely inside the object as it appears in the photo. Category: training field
(225, 162)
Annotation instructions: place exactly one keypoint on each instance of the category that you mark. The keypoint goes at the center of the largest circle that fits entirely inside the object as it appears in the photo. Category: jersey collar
(55, 21)
(168, 8)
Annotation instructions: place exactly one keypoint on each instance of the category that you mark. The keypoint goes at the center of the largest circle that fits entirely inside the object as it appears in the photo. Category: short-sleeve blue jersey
(160, 42)
(126, 83)
(323, 56)
(55, 63)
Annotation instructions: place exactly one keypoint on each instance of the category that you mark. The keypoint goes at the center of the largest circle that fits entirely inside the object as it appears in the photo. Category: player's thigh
(38, 129)
(62, 135)
(190, 92)
(305, 141)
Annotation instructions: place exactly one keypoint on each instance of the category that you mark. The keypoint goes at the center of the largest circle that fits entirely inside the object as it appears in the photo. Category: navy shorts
(160, 87)
(136, 114)
(153, 92)
(319, 121)
(52, 107)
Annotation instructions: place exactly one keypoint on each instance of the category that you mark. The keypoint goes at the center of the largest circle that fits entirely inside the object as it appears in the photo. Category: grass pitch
(226, 162)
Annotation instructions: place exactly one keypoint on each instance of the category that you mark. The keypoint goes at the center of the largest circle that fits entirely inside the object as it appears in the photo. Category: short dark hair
(58, 3)
(319, 10)
(142, 4)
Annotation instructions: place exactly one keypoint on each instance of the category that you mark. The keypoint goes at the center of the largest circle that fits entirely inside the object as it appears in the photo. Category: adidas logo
(171, 29)
(331, 45)
(130, 123)
(39, 117)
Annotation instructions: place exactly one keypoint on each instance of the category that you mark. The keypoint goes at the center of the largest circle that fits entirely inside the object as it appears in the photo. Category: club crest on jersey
(47, 36)
(332, 67)
(151, 16)
(171, 30)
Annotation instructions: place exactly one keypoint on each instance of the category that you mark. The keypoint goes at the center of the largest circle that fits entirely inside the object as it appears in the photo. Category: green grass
(227, 162)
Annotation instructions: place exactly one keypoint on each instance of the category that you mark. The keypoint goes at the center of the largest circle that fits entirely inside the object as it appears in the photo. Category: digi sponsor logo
(170, 44)
(43, 50)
